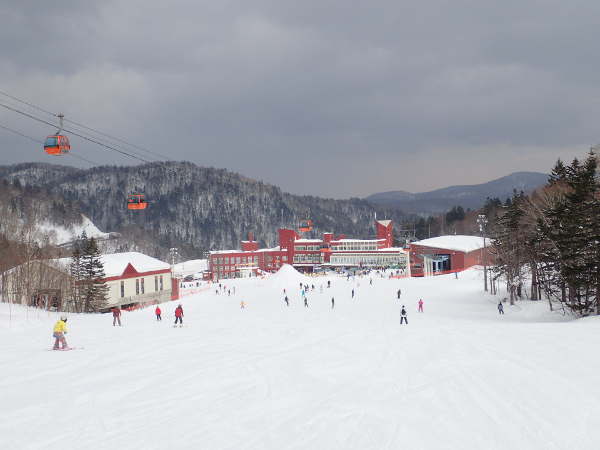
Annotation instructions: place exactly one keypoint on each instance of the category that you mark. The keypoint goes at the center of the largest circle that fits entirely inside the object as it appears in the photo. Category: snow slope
(270, 377)
(60, 235)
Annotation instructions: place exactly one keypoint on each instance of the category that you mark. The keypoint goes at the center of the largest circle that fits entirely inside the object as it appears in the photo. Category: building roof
(308, 241)
(349, 241)
(116, 263)
(385, 223)
(459, 243)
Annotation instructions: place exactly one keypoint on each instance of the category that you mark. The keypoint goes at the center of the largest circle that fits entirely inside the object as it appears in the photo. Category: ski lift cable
(74, 133)
(39, 108)
(42, 142)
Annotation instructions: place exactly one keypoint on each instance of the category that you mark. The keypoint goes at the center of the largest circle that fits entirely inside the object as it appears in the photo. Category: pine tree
(95, 290)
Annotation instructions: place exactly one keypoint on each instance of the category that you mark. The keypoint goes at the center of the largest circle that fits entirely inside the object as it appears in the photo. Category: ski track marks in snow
(275, 377)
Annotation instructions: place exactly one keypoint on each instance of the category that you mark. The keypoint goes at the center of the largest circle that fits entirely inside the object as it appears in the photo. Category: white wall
(131, 296)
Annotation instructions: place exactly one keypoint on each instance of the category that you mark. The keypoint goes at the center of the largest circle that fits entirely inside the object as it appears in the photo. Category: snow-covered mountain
(193, 208)
(467, 196)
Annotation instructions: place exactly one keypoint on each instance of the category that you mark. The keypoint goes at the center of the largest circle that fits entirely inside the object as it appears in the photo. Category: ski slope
(459, 376)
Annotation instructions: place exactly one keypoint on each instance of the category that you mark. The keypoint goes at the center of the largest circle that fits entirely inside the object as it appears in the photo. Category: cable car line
(42, 142)
(84, 126)
(110, 147)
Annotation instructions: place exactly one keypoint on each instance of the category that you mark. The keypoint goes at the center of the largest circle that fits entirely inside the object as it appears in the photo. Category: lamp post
(482, 222)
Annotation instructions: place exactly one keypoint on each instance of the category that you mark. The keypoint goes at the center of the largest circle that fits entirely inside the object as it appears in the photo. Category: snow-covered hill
(60, 234)
(459, 376)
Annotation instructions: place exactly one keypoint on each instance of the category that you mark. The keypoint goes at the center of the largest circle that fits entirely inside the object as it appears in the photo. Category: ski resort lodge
(132, 279)
(448, 253)
(309, 255)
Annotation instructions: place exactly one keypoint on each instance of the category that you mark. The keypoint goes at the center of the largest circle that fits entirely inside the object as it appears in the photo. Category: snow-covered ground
(459, 376)
(60, 235)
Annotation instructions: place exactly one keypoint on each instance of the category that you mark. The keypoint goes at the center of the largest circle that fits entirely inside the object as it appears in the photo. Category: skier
(371, 281)
(403, 316)
(500, 308)
(305, 302)
(178, 315)
(287, 300)
(158, 312)
(328, 284)
(116, 311)
(332, 302)
(300, 285)
(352, 293)
(399, 293)
(59, 331)
(420, 305)
(242, 305)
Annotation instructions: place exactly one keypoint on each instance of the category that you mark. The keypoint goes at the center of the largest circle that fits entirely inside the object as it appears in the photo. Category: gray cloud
(320, 97)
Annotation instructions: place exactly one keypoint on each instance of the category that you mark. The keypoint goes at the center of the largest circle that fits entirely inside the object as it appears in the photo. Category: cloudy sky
(326, 97)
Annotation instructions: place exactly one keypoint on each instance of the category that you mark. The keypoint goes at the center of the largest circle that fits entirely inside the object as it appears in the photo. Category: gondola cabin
(136, 201)
(57, 144)
(306, 226)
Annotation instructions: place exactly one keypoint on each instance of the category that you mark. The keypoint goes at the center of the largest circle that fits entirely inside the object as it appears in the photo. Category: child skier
(403, 316)
(179, 315)
(60, 329)
(158, 313)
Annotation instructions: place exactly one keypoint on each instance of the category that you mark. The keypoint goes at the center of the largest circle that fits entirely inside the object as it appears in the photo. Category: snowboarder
(500, 308)
(179, 315)
(158, 313)
(420, 305)
(305, 302)
(399, 293)
(403, 316)
(287, 300)
(332, 302)
(59, 331)
(116, 311)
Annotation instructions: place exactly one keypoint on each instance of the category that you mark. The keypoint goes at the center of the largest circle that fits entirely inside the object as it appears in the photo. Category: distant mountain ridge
(467, 196)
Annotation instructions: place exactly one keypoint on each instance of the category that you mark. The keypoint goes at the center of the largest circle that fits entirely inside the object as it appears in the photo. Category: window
(51, 141)
(161, 282)
(137, 286)
(122, 289)
(155, 283)
(143, 289)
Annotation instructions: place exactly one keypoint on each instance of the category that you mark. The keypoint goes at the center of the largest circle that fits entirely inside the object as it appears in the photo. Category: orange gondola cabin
(57, 144)
(136, 201)
(306, 226)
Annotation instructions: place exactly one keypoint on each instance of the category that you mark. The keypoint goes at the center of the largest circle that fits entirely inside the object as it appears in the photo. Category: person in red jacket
(158, 312)
(116, 315)
(179, 315)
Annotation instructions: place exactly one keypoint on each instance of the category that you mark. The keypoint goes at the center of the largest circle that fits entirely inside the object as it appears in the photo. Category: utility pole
(482, 222)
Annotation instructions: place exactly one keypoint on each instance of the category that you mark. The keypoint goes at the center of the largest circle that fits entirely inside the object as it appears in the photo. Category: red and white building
(308, 254)
(452, 253)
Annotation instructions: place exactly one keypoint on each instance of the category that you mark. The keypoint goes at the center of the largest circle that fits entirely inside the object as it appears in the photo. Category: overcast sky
(325, 97)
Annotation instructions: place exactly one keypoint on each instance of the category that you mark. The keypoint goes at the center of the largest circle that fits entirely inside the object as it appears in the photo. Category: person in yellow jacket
(60, 329)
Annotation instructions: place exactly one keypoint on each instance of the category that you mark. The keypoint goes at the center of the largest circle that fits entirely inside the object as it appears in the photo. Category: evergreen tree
(94, 288)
